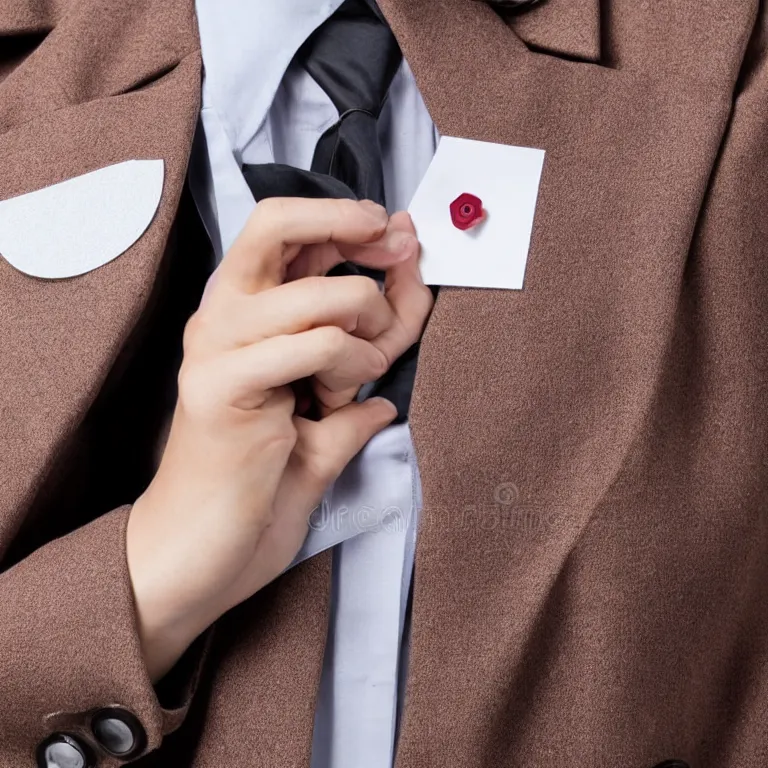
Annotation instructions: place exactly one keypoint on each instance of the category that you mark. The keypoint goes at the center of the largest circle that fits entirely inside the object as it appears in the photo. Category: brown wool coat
(592, 567)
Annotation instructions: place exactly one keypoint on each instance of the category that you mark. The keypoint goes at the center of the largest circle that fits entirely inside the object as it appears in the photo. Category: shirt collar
(247, 46)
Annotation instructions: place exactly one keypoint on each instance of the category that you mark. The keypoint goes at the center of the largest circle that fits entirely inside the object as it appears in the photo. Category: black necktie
(353, 57)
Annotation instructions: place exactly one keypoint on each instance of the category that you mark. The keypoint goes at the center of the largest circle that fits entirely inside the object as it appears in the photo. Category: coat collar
(570, 28)
(567, 27)
(247, 47)
(243, 37)
(79, 103)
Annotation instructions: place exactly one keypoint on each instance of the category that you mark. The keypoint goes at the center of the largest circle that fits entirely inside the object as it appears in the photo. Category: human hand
(227, 510)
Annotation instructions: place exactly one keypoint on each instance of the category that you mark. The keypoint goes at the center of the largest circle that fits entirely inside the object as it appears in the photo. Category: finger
(410, 299)
(244, 377)
(393, 246)
(324, 448)
(278, 227)
(411, 302)
(329, 401)
(353, 303)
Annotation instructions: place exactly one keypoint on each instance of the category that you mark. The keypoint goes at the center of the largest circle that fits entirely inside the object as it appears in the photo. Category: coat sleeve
(72, 674)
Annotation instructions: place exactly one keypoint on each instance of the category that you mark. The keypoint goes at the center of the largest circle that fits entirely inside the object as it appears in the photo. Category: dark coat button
(118, 732)
(672, 764)
(62, 751)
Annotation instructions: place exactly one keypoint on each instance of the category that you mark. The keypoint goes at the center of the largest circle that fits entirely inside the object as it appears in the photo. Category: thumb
(327, 446)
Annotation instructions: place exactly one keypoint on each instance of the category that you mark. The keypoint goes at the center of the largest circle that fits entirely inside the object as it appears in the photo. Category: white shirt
(258, 108)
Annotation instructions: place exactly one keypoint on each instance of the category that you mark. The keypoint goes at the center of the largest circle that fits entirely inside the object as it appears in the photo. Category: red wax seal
(467, 211)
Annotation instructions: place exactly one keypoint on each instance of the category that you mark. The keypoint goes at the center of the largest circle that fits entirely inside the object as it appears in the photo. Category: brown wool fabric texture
(592, 565)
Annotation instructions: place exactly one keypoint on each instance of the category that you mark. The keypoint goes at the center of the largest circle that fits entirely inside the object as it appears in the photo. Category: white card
(494, 253)
(80, 224)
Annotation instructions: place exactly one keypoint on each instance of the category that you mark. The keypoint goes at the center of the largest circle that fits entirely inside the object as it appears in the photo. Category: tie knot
(349, 151)
(353, 57)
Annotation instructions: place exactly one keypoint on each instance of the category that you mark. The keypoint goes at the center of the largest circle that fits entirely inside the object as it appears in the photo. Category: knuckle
(343, 206)
(320, 468)
(412, 335)
(414, 328)
(200, 333)
(266, 207)
(267, 211)
(428, 298)
(279, 438)
(191, 332)
(194, 391)
(333, 340)
(381, 364)
(366, 289)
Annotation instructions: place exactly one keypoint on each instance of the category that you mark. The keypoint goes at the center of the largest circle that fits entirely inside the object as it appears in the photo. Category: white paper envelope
(494, 253)
(80, 224)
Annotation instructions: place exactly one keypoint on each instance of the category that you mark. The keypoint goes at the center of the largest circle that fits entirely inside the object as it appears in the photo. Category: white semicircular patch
(80, 224)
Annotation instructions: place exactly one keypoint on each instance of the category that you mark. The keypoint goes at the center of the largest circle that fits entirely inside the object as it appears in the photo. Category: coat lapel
(24, 17)
(58, 120)
(111, 83)
(568, 27)
(538, 415)
(519, 475)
